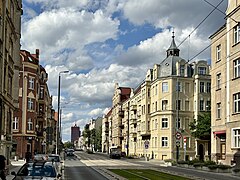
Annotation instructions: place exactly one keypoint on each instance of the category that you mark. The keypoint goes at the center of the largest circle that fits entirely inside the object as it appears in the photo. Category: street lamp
(58, 119)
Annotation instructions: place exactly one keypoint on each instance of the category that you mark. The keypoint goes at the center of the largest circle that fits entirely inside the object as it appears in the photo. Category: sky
(103, 42)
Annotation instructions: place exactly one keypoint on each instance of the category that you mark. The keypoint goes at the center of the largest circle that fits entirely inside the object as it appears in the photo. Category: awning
(219, 132)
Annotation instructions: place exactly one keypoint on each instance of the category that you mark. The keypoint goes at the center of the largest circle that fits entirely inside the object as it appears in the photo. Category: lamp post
(58, 119)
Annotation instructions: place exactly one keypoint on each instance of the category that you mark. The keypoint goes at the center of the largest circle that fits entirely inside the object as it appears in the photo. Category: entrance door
(201, 152)
(223, 150)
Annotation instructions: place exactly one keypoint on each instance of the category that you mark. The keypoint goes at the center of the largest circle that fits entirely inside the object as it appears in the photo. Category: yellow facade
(225, 75)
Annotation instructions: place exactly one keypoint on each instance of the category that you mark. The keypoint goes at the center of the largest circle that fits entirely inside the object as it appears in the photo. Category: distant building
(75, 133)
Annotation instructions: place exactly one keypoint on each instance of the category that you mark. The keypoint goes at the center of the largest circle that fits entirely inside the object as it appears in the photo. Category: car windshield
(37, 169)
(54, 158)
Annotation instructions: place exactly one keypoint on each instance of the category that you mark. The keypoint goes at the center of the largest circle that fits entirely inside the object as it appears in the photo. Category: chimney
(37, 53)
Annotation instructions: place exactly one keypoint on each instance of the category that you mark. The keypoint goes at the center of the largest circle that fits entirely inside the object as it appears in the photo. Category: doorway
(201, 152)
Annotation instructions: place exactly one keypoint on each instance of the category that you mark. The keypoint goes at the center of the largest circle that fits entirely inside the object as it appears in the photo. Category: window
(10, 79)
(208, 105)
(30, 125)
(165, 87)
(218, 110)
(164, 141)
(30, 104)
(155, 141)
(201, 105)
(156, 89)
(164, 105)
(236, 138)
(178, 104)
(187, 107)
(156, 106)
(179, 86)
(41, 92)
(202, 70)
(178, 123)
(201, 87)
(236, 99)
(208, 87)
(164, 123)
(31, 83)
(218, 81)
(15, 123)
(182, 70)
(236, 68)
(187, 87)
(218, 50)
(156, 124)
(236, 31)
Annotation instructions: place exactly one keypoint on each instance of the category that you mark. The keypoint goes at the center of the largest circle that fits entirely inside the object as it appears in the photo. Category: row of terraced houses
(153, 119)
(27, 120)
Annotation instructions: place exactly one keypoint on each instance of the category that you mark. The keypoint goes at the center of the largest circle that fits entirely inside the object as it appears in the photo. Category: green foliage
(208, 163)
(198, 164)
(68, 144)
(202, 127)
(194, 161)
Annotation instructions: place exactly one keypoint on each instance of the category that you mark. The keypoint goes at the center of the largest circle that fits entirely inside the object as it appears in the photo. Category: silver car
(37, 170)
(57, 160)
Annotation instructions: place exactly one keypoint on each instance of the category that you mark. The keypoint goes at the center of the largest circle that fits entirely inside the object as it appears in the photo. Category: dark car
(115, 153)
(37, 170)
(70, 152)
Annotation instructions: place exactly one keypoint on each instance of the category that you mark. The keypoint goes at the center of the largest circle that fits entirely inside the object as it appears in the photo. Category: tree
(68, 144)
(202, 127)
(87, 134)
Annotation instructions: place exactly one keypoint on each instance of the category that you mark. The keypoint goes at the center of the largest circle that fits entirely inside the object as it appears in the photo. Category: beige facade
(225, 73)
(156, 110)
(10, 23)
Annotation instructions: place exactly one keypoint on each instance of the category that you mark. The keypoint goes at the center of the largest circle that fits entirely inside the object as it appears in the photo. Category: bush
(207, 163)
(168, 160)
(213, 166)
(236, 170)
(198, 164)
(182, 162)
(194, 161)
(222, 166)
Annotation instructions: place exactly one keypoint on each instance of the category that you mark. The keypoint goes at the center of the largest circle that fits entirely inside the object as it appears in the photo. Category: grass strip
(146, 174)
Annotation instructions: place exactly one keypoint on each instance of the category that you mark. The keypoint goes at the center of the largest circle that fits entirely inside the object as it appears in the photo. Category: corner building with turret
(171, 96)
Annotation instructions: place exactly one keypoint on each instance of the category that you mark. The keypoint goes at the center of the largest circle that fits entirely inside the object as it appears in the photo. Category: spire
(173, 50)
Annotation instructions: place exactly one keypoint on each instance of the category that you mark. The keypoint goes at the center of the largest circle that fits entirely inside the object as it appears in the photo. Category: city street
(95, 166)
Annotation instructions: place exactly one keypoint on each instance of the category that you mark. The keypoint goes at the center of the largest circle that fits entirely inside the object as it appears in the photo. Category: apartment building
(154, 120)
(105, 131)
(116, 126)
(10, 24)
(225, 73)
(33, 124)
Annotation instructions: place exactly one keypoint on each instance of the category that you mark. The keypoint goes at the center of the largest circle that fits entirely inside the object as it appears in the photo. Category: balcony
(121, 114)
(133, 107)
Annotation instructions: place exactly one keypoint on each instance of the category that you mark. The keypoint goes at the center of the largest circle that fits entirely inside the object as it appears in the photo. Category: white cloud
(96, 112)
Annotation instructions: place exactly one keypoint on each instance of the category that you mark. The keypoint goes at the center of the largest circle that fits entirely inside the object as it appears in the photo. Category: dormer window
(182, 70)
(202, 70)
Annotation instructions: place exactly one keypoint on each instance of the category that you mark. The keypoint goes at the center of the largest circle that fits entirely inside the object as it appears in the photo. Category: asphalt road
(76, 170)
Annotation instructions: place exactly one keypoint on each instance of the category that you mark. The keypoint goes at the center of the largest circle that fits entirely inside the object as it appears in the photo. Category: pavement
(15, 165)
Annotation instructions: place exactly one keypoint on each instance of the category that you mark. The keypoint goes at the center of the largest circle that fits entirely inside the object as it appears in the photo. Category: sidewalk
(14, 166)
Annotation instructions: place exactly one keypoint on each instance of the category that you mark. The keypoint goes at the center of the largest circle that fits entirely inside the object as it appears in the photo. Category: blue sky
(103, 42)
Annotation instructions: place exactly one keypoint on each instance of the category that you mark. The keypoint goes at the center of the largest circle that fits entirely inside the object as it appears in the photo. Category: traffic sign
(185, 139)
(178, 143)
(178, 135)
(146, 144)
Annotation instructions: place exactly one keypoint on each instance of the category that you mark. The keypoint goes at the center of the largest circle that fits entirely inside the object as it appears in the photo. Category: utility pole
(128, 131)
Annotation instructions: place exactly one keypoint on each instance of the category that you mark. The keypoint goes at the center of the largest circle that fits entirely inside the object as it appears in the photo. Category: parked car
(57, 160)
(37, 170)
